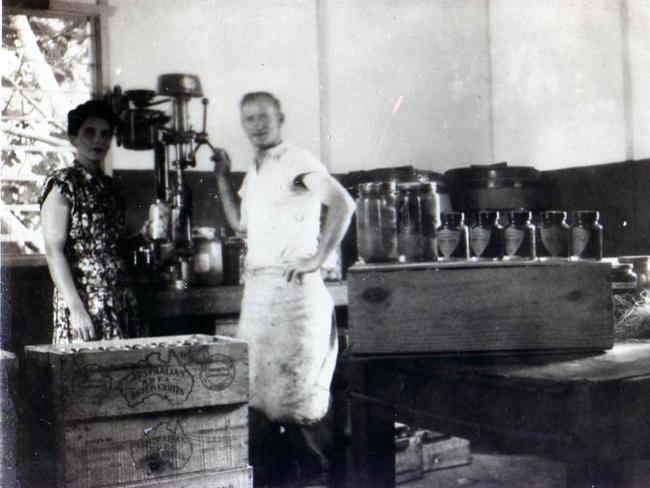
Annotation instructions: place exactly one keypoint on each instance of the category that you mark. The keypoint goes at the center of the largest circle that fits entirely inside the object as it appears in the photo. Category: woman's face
(93, 141)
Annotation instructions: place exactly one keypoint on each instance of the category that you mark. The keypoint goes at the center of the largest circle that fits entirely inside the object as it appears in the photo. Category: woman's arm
(55, 214)
(340, 208)
(230, 208)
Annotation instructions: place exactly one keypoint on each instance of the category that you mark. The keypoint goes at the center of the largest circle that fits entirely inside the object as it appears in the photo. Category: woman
(82, 217)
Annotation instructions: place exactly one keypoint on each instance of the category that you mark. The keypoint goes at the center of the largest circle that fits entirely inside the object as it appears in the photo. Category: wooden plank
(145, 447)
(501, 307)
(625, 361)
(206, 300)
(232, 478)
(105, 379)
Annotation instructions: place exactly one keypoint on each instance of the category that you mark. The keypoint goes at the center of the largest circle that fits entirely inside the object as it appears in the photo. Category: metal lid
(387, 186)
(368, 188)
(409, 185)
(494, 176)
(176, 84)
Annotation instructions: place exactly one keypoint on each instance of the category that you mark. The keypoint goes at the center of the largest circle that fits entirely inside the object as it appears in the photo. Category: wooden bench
(589, 410)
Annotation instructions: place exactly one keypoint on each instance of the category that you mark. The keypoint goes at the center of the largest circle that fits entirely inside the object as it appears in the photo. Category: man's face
(262, 123)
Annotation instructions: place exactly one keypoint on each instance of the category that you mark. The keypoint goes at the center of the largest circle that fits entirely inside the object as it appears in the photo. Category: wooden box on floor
(480, 307)
(441, 452)
(129, 411)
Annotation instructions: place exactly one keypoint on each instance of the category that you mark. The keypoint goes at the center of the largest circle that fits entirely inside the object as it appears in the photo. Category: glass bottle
(519, 236)
(553, 239)
(409, 230)
(452, 237)
(429, 210)
(586, 236)
(641, 268)
(208, 257)
(234, 258)
(485, 236)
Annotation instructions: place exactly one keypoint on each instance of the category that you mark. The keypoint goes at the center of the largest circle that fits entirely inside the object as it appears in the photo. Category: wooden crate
(136, 410)
(408, 459)
(479, 307)
(111, 378)
(233, 478)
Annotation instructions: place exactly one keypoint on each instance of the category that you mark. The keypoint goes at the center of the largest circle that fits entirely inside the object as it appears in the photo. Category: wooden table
(157, 303)
(591, 411)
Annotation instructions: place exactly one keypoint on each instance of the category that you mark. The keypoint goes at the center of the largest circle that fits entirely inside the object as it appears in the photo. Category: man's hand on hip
(294, 270)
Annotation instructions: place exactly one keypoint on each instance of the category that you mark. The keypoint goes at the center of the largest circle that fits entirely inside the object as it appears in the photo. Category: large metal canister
(494, 187)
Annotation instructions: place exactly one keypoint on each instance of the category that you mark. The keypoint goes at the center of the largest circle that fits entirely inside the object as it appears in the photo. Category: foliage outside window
(49, 68)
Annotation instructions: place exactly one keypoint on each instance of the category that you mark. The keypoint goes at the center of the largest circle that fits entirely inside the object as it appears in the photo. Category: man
(286, 313)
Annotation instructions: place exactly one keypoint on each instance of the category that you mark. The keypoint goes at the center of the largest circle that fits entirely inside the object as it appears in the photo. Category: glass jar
(641, 268)
(234, 257)
(553, 239)
(143, 263)
(485, 235)
(207, 260)
(586, 236)
(377, 222)
(519, 236)
(452, 237)
(409, 230)
(429, 211)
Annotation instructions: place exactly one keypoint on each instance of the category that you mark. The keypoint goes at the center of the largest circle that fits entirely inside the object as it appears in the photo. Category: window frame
(96, 15)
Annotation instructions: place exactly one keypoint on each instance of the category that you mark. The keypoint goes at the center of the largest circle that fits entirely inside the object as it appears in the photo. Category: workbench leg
(371, 460)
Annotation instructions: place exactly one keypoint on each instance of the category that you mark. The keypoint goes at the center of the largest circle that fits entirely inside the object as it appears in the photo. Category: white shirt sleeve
(302, 163)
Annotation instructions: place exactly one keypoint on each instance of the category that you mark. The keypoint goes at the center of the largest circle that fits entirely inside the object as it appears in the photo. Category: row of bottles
(519, 238)
(214, 260)
(399, 222)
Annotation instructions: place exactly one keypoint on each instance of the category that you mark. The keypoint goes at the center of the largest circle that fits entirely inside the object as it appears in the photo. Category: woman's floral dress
(96, 229)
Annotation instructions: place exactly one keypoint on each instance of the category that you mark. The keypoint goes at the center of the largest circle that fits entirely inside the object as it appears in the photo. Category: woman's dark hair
(91, 108)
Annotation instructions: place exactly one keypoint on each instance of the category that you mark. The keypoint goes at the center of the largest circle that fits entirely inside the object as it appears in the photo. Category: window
(51, 65)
